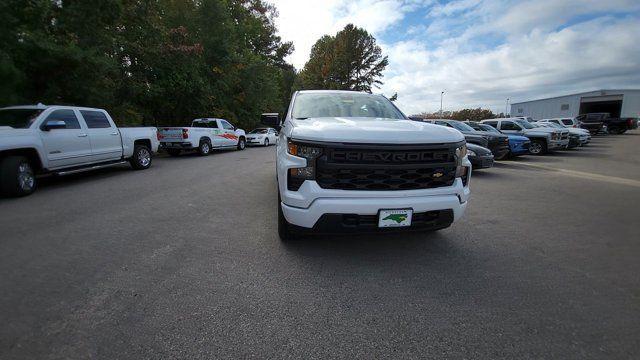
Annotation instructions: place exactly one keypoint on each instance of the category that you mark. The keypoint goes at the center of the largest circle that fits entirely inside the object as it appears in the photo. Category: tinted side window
(508, 125)
(567, 122)
(213, 124)
(226, 125)
(492, 123)
(95, 119)
(68, 116)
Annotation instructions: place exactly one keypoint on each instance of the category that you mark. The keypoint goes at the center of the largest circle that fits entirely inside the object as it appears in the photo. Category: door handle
(114, 133)
(82, 135)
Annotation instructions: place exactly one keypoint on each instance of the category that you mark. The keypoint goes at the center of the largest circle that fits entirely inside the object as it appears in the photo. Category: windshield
(336, 104)
(18, 118)
(259, 131)
(458, 125)
(489, 128)
(525, 124)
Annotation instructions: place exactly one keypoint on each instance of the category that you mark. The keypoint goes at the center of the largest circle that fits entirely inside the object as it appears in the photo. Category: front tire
(538, 147)
(17, 177)
(242, 144)
(141, 158)
(266, 142)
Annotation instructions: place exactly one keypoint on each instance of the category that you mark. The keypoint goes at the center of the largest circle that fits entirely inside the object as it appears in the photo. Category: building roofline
(580, 93)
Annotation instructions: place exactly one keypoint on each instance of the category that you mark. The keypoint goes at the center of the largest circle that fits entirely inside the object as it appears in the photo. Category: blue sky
(481, 52)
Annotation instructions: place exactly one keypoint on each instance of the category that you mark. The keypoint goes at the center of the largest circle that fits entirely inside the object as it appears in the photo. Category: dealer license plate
(394, 218)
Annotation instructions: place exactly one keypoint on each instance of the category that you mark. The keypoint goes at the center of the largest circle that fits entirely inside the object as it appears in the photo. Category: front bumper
(585, 139)
(308, 217)
(520, 148)
(255, 141)
(306, 206)
(481, 162)
(500, 151)
(558, 144)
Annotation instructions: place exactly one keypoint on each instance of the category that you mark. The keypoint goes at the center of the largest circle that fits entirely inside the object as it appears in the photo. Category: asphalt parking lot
(183, 261)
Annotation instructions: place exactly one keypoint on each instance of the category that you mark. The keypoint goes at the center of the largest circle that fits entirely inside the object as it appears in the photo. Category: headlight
(461, 152)
(303, 151)
(461, 171)
(297, 176)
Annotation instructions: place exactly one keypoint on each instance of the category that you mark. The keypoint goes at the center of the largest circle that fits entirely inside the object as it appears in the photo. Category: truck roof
(43, 107)
(333, 91)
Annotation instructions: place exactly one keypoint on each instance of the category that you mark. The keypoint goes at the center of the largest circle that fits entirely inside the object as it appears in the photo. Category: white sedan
(262, 136)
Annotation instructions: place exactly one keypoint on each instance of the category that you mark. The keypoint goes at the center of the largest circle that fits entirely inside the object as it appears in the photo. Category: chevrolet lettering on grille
(383, 156)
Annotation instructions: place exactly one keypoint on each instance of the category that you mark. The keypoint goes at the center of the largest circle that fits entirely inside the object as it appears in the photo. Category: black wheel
(266, 142)
(284, 228)
(17, 177)
(174, 152)
(538, 147)
(141, 158)
(242, 143)
(205, 148)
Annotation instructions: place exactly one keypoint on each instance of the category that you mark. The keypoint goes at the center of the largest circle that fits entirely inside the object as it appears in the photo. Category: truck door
(106, 144)
(229, 133)
(217, 139)
(68, 146)
(509, 127)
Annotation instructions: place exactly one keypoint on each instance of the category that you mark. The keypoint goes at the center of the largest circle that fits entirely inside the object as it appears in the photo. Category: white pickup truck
(204, 135)
(352, 162)
(542, 139)
(56, 139)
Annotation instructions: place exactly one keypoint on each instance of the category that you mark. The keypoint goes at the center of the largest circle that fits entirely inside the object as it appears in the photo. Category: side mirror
(53, 124)
(271, 120)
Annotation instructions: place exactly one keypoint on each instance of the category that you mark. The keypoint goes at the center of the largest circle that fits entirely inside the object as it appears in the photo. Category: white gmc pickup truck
(65, 139)
(203, 135)
(350, 162)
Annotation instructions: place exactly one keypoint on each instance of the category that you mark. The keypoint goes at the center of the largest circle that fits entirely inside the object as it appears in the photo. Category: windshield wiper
(301, 118)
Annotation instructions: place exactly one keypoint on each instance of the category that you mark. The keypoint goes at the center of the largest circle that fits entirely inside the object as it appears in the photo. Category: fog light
(304, 173)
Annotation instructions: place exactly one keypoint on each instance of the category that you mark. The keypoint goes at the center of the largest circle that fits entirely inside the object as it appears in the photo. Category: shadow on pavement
(404, 246)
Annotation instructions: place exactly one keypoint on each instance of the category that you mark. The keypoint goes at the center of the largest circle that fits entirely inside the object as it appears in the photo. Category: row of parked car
(497, 139)
(59, 140)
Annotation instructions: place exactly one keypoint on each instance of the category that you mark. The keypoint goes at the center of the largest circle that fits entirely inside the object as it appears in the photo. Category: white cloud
(305, 21)
(481, 51)
(596, 54)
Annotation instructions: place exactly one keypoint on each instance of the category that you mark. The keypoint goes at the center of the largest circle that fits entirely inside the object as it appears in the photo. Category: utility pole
(506, 107)
(441, 95)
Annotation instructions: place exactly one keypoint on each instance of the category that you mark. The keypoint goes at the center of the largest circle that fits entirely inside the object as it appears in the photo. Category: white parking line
(585, 175)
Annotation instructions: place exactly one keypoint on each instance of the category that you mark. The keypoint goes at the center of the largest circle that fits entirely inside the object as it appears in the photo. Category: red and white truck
(203, 136)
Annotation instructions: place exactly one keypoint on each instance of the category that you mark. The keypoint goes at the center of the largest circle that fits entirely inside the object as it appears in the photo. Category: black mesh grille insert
(397, 168)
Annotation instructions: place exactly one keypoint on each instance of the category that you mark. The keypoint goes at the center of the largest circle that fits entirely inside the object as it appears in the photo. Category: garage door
(611, 104)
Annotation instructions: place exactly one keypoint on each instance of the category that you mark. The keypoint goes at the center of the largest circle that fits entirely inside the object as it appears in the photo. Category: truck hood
(544, 129)
(372, 130)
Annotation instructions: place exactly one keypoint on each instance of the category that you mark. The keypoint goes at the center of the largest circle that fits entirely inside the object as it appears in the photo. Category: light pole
(506, 106)
(441, 95)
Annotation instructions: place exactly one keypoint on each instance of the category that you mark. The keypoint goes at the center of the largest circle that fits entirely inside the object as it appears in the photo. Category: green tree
(350, 60)
(472, 114)
(160, 62)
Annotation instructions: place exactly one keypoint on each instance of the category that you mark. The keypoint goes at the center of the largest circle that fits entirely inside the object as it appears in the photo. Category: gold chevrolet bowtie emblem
(437, 175)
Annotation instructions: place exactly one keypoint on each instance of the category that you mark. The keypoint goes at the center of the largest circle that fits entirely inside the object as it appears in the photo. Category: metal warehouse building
(619, 103)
